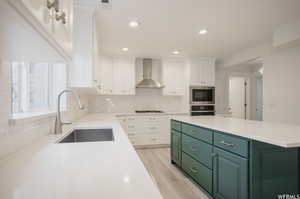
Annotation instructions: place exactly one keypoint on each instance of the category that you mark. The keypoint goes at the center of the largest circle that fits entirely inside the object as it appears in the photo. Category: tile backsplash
(144, 99)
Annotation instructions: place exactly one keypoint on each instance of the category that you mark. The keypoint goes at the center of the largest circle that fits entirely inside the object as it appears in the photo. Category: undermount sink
(89, 135)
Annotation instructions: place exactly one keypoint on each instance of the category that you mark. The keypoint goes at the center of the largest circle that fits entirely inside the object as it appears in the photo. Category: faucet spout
(58, 122)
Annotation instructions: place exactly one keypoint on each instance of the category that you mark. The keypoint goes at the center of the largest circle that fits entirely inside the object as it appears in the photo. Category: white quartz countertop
(283, 135)
(90, 170)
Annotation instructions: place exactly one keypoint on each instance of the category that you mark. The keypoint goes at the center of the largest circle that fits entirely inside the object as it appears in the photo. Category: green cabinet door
(230, 175)
(176, 147)
(274, 171)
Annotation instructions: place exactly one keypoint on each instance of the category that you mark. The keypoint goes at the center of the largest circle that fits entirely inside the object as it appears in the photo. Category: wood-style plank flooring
(172, 183)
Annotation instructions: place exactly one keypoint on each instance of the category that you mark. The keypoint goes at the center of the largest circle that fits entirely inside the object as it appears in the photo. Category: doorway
(239, 97)
(259, 98)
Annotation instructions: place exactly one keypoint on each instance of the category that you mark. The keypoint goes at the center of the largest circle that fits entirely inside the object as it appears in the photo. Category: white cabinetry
(81, 71)
(147, 130)
(202, 71)
(56, 33)
(173, 77)
(123, 76)
(85, 55)
(105, 75)
(115, 75)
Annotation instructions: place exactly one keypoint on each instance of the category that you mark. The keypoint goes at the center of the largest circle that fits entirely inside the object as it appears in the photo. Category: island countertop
(93, 170)
(283, 135)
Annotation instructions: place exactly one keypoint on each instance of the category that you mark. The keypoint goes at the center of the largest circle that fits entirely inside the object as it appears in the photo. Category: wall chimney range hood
(147, 81)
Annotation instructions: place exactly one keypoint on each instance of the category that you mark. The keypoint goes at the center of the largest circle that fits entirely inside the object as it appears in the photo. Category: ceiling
(166, 25)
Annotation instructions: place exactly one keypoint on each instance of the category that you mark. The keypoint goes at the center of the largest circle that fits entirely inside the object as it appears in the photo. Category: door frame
(247, 93)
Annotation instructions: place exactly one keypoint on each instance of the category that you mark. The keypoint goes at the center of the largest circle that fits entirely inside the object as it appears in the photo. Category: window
(35, 86)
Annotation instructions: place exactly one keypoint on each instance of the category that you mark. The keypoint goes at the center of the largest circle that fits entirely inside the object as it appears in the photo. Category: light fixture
(61, 16)
(261, 70)
(134, 24)
(126, 179)
(55, 12)
(125, 49)
(53, 4)
(203, 31)
(176, 52)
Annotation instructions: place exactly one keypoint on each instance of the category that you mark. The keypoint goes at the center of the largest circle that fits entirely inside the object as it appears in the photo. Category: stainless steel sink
(89, 135)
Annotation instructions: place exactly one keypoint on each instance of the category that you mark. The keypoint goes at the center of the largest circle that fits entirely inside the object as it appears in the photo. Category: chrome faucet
(58, 122)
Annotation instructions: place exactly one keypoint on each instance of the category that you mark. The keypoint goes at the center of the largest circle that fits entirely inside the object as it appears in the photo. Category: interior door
(237, 97)
(259, 98)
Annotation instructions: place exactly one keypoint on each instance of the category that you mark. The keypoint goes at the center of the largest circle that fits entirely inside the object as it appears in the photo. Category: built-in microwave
(202, 95)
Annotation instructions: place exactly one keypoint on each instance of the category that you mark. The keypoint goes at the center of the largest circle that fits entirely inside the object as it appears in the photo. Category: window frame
(23, 103)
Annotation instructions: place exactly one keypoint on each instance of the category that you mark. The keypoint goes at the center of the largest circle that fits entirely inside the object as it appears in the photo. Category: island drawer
(199, 150)
(232, 143)
(200, 133)
(175, 125)
(202, 175)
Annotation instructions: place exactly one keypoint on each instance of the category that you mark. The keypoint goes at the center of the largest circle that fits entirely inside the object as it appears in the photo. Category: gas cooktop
(148, 111)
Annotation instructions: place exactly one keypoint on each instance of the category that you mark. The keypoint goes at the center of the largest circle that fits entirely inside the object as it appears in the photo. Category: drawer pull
(227, 144)
(193, 148)
(192, 131)
(194, 170)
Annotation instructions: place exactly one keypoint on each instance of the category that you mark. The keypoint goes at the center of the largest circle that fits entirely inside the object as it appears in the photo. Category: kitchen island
(237, 159)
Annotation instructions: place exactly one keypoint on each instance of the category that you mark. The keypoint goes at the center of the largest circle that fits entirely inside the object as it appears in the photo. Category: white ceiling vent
(106, 4)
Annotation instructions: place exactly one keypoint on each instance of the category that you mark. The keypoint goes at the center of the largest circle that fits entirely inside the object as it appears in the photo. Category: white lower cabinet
(147, 130)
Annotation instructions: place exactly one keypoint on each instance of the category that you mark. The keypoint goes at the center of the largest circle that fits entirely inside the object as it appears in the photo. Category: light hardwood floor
(172, 183)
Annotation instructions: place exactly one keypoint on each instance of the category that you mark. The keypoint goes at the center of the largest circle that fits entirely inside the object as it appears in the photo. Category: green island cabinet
(232, 167)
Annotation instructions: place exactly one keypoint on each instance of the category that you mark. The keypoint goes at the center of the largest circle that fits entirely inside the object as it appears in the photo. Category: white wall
(282, 86)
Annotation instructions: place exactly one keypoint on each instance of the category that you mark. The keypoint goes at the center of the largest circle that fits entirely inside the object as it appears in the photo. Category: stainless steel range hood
(147, 81)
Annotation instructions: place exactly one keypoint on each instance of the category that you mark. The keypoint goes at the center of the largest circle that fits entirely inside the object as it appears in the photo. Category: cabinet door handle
(194, 170)
(227, 144)
(193, 148)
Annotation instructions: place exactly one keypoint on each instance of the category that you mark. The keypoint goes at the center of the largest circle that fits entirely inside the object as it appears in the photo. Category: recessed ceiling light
(203, 32)
(125, 49)
(134, 24)
(176, 52)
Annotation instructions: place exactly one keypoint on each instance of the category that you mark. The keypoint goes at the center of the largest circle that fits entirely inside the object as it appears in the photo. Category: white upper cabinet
(105, 75)
(202, 71)
(85, 54)
(123, 75)
(173, 77)
(58, 34)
